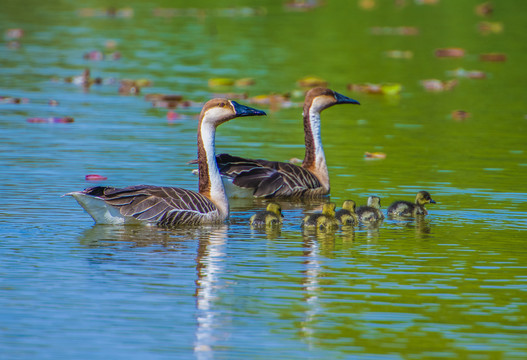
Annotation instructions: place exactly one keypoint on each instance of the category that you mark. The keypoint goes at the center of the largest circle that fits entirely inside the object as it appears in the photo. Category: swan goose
(269, 179)
(171, 206)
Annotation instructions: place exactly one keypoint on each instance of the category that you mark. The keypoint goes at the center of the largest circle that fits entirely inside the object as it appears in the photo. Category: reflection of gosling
(325, 220)
(406, 208)
(272, 216)
(372, 212)
(347, 216)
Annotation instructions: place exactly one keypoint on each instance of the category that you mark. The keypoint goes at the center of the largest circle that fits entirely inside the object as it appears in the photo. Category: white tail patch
(236, 192)
(100, 211)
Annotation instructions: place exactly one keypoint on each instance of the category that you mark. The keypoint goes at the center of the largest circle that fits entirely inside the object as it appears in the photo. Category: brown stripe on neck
(309, 158)
(203, 167)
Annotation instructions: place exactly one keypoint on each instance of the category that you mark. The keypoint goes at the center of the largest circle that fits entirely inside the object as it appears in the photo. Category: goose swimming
(172, 206)
(347, 216)
(324, 220)
(272, 216)
(269, 179)
(403, 208)
(371, 213)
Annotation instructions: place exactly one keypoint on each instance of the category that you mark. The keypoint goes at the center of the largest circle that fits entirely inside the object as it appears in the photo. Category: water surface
(450, 286)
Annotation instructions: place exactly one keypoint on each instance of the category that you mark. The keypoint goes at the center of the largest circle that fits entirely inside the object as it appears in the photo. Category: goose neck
(210, 183)
(315, 159)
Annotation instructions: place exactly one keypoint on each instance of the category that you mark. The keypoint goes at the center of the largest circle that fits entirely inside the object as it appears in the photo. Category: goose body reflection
(172, 206)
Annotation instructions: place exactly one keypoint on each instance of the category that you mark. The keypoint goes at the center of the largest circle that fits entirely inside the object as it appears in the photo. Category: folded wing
(268, 178)
(164, 206)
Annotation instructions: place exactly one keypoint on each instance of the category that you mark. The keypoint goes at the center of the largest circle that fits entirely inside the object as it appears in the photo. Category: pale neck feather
(319, 167)
(217, 191)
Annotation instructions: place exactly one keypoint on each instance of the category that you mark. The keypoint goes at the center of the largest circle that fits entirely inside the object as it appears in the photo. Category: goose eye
(222, 104)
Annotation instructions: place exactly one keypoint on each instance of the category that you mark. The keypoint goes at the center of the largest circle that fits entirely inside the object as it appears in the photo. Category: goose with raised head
(403, 208)
(347, 216)
(269, 179)
(271, 216)
(370, 213)
(171, 206)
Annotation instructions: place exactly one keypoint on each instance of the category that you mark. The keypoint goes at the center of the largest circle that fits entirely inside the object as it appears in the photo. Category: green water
(451, 286)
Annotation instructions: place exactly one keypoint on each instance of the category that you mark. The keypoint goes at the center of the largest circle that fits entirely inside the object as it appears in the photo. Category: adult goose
(270, 179)
(172, 206)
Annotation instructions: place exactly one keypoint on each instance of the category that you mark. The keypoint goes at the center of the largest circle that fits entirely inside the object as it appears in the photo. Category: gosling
(272, 216)
(403, 208)
(347, 216)
(371, 213)
(324, 221)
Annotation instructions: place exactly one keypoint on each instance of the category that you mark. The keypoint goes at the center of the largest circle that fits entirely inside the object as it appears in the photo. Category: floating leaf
(311, 82)
(460, 115)
(493, 57)
(51, 120)
(217, 82)
(95, 177)
(450, 52)
(374, 155)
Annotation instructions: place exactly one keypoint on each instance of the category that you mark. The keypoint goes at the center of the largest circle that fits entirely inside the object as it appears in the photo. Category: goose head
(217, 111)
(329, 209)
(320, 98)
(275, 209)
(423, 197)
(374, 202)
(349, 205)
(214, 113)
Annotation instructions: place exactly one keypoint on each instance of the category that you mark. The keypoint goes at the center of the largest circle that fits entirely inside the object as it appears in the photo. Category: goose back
(270, 178)
(157, 205)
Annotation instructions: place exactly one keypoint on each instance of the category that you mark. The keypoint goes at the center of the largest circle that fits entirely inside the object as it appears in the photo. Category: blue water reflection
(449, 286)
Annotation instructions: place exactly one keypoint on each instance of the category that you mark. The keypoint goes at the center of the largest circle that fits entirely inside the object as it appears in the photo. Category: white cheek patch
(321, 102)
(216, 113)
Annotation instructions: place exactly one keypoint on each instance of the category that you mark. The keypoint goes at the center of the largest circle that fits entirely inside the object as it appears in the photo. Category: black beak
(432, 201)
(341, 99)
(242, 110)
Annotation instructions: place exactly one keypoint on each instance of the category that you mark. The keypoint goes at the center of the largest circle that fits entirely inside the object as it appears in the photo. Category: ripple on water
(452, 286)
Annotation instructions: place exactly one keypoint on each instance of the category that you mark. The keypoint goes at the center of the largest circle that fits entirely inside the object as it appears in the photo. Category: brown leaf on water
(435, 85)
(460, 115)
(487, 27)
(493, 57)
(450, 52)
(311, 82)
(484, 9)
(380, 89)
(374, 155)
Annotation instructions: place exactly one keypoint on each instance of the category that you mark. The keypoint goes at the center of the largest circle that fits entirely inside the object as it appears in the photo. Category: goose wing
(165, 206)
(233, 165)
(267, 178)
